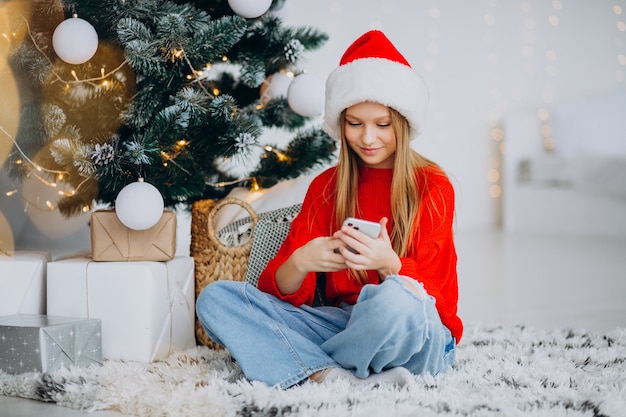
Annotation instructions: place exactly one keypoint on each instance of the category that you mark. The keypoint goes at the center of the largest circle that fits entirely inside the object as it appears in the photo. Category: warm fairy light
(226, 183)
(10, 193)
(216, 91)
(224, 58)
(281, 156)
(177, 54)
(546, 130)
(493, 175)
(543, 114)
(74, 75)
(548, 144)
(497, 134)
(255, 185)
(68, 193)
(495, 190)
(182, 143)
(553, 20)
(50, 205)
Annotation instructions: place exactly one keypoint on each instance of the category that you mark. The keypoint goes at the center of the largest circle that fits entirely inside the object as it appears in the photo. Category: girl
(391, 304)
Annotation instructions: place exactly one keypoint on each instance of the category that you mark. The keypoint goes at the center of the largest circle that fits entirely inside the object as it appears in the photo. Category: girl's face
(370, 135)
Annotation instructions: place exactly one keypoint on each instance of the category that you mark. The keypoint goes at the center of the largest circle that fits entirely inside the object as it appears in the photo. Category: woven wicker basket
(215, 260)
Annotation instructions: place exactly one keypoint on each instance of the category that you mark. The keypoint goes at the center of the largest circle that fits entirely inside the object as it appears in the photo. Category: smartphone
(371, 229)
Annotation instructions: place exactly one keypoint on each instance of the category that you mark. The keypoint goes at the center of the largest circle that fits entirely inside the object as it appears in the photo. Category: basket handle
(211, 219)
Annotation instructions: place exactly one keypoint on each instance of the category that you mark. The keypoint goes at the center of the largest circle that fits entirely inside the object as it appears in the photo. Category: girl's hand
(373, 254)
(320, 255)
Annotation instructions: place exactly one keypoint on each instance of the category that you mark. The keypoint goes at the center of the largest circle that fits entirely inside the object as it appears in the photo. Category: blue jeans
(279, 344)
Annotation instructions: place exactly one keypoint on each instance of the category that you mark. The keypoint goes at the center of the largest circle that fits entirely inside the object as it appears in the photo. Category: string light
(280, 155)
(167, 158)
(30, 161)
(255, 185)
(234, 182)
(59, 175)
(546, 130)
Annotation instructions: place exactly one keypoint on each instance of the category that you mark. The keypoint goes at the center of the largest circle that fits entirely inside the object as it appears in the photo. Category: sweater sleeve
(311, 222)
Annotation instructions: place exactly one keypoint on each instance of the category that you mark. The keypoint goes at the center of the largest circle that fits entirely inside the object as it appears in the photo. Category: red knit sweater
(432, 261)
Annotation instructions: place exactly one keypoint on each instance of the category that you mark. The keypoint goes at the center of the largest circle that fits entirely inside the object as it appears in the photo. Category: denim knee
(211, 302)
(391, 302)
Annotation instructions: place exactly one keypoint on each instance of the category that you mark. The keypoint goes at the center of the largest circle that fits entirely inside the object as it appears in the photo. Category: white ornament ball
(139, 205)
(250, 9)
(277, 86)
(75, 41)
(306, 95)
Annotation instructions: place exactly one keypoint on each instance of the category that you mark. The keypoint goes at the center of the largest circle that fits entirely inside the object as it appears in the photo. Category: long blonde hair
(405, 198)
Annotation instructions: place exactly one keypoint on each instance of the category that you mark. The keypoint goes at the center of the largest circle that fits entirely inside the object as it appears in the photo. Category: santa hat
(372, 69)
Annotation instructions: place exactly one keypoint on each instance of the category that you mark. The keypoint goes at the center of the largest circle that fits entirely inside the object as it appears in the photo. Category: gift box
(147, 308)
(112, 241)
(39, 343)
(23, 283)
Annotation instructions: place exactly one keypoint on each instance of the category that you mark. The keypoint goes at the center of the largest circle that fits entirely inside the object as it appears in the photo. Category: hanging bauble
(306, 95)
(139, 205)
(276, 85)
(250, 9)
(75, 41)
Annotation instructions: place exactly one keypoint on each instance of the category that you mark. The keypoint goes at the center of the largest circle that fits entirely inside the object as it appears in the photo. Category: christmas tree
(177, 93)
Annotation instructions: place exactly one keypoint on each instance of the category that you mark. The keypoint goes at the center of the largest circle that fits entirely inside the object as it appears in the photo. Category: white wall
(481, 59)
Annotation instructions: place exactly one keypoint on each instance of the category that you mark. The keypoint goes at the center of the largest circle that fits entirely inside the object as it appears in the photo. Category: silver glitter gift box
(39, 343)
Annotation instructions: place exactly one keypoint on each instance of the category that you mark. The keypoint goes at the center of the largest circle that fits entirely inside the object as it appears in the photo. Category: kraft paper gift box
(39, 343)
(147, 308)
(23, 283)
(112, 241)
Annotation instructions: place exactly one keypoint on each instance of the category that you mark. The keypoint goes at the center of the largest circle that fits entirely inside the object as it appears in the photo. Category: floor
(542, 281)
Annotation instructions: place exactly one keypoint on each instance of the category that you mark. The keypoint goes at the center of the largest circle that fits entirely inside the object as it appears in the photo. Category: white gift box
(23, 283)
(147, 308)
(39, 343)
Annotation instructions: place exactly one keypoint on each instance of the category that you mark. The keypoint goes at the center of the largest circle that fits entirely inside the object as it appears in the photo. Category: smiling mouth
(369, 151)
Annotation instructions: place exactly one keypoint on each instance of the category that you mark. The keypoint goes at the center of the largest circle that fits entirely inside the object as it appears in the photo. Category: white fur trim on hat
(377, 80)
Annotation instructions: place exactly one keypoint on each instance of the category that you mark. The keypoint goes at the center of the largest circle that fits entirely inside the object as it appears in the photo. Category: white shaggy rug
(500, 371)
